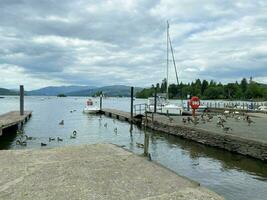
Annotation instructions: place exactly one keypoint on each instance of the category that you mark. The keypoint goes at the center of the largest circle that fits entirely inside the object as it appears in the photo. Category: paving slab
(100, 171)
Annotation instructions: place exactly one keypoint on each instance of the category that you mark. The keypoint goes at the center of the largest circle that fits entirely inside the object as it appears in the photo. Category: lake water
(233, 176)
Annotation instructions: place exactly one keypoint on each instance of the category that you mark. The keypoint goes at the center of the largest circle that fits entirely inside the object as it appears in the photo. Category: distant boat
(61, 95)
(90, 108)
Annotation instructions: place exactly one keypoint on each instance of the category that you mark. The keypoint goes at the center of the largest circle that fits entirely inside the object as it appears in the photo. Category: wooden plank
(13, 118)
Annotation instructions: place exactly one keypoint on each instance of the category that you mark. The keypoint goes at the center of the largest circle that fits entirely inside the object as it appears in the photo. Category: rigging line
(173, 59)
(174, 63)
(167, 78)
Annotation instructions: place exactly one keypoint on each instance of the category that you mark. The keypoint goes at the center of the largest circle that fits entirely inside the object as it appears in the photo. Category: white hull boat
(90, 108)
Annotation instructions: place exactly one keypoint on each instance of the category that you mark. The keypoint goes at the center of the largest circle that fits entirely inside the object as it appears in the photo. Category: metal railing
(140, 108)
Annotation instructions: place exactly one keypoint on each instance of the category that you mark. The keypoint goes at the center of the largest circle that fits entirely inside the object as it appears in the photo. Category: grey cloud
(123, 42)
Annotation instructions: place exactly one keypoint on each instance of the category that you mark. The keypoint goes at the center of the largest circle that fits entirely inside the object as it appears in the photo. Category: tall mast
(167, 81)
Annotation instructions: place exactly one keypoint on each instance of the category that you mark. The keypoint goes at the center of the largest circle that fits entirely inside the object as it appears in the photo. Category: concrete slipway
(101, 171)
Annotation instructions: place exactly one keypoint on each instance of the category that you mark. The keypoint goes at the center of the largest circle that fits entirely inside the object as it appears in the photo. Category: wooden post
(155, 100)
(21, 92)
(188, 105)
(146, 144)
(132, 99)
(101, 99)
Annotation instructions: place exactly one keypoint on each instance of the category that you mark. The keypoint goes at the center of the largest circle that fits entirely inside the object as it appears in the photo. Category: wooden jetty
(121, 115)
(13, 119)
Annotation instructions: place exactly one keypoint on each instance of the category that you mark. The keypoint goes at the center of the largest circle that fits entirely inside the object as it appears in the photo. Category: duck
(61, 123)
(59, 139)
(74, 132)
(43, 144)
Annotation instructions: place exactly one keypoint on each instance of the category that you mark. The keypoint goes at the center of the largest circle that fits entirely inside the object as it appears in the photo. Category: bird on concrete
(61, 123)
(226, 129)
(170, 119)
(73, 137)
(189, 119)
(249, 121)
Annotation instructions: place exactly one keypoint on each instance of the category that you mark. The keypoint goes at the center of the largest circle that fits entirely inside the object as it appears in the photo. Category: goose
(140, 145)
(19, 131)
(115, 130)
(149, 157)
(28, 137)
(59, 139)
(226, 129)
(171, 119)
(51, 139)
(61, 123)
(249, 120)
(72, 136)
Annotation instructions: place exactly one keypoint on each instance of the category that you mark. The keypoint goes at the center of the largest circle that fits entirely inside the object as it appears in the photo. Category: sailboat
(163, 104)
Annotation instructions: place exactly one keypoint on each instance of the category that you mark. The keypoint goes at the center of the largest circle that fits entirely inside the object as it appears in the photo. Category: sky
(98, 43)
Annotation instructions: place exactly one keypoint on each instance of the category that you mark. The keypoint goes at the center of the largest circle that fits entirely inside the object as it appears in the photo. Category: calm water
(233, 176)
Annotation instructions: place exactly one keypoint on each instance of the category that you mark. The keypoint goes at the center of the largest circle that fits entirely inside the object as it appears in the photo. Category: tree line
(243, 90)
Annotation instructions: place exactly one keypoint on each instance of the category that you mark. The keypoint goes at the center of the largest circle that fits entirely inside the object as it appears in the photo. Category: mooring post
(155, 100)
(146, 144)
(21, 92)
(101, 99)
(132, 100)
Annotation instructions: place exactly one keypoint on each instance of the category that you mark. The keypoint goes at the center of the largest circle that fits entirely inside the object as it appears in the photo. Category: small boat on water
(90, 108)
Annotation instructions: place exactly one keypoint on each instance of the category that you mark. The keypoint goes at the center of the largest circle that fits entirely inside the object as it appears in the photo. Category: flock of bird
(22, 140)
(222, 119)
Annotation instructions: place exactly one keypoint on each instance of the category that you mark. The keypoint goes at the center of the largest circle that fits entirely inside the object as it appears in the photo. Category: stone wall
(229, 142)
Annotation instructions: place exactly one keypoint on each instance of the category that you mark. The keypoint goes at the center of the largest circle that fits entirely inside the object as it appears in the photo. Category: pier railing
(140, 108)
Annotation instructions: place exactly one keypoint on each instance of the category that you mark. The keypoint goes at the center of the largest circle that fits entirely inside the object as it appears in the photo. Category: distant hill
(54, 91)
(4, 91)
(111, 91)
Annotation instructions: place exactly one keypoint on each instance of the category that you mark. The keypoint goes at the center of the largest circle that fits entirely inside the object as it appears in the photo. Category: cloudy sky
(83, 42)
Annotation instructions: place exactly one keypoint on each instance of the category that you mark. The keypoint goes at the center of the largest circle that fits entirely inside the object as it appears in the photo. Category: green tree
(204, 86)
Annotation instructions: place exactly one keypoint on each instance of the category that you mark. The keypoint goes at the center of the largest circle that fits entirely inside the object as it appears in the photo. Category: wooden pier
(121, 115)
(13, 119)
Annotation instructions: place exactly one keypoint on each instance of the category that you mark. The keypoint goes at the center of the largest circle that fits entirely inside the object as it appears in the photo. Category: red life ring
(194, 102)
